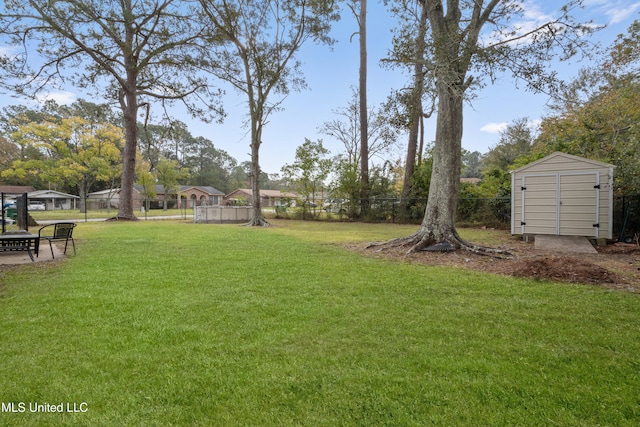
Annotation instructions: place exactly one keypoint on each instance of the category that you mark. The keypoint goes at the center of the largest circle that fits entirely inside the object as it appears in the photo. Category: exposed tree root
(397, 242)
(421, 240)
(483, 250)
(258, 222)
(122, 218)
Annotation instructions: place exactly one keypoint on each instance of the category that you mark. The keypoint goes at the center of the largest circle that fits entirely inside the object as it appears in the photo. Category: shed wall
(561, 197)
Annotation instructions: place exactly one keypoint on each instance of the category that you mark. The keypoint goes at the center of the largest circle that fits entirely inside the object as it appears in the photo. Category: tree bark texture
(130, 110)
(364, 115)
(256, 140)
(440, 215)
(415, 109)
(258, 217)
(129, 105)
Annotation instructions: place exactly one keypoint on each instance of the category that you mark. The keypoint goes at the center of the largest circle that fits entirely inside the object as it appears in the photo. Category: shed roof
(593, 163)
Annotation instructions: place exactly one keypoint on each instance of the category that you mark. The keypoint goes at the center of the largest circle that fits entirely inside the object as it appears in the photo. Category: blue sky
(330, 74)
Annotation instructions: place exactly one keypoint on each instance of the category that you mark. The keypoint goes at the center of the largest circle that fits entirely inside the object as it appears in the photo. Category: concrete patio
(15, 258)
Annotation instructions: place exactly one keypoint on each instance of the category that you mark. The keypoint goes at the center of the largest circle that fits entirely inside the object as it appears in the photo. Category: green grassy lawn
(170, 323)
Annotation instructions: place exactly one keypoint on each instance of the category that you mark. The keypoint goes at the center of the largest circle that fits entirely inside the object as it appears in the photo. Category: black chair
(58, 232)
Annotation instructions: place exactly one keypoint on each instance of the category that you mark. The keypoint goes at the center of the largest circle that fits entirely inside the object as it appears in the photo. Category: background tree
(462, 58)
(261, 39)
(604, 128)
(212, 166)
(345, 128)
(77, 152)
(152, 142)
(411, 50)
(308, 173)
(146, 180)
(359, 10)
(11, 119)
(599, 113)
(142, 50)
(472, 164)
(516, 140)
(346, 183)
(8, 153)
(169, 174)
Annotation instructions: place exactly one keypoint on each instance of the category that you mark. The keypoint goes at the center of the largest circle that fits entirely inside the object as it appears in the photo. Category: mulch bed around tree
(616, 266)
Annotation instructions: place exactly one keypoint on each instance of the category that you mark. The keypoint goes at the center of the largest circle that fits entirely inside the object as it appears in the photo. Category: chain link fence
(495, 213)
(475, 212)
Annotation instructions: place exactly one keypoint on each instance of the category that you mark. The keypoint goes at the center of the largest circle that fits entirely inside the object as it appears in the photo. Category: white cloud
(529, 18)
(533, 14)
(494, 127)
(618, 13)
(6, 50)
(534, 124)
(61, 97)
(615, 10)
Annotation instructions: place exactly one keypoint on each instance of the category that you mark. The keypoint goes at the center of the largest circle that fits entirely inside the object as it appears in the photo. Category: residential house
(54, 200)
(107, 199)
(11, 191)
(267, 197)
(201, 195)
(190, 196)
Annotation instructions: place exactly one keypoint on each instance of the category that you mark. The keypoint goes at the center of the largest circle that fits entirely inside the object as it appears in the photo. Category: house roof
(16, 189)
(565, 156)
(105, 192)
(270, 194)
(50, 194)
(205, 188)
(471, 180)
(159, 189)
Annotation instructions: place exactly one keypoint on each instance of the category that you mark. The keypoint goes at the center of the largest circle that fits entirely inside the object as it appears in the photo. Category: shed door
(578, 201)
(539, 204)
(560, 204)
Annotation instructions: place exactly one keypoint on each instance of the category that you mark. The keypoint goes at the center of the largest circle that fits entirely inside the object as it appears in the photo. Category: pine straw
(615, 266)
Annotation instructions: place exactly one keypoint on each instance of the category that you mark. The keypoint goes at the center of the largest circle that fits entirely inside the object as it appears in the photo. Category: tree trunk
(129, 105)
(256, 140)
(439, 220)
(364, 125)
(415, 109)
(258, 218)
(82, 189)
(130, 110)
(438, 226)
(410, 162)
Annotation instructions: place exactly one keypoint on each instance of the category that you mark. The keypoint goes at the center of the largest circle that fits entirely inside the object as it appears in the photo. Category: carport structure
(54, 199)
(563, 195)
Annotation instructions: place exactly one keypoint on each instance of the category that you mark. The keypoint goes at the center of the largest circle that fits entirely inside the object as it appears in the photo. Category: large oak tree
(133, 52)
(472, 41)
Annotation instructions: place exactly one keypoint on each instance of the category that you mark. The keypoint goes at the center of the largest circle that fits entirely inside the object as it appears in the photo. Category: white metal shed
(563, 195)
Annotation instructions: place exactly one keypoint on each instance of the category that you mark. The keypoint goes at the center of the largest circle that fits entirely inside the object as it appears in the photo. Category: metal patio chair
(58, 232)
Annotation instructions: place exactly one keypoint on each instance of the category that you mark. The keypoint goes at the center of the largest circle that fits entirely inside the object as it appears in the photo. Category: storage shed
(563, 195)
